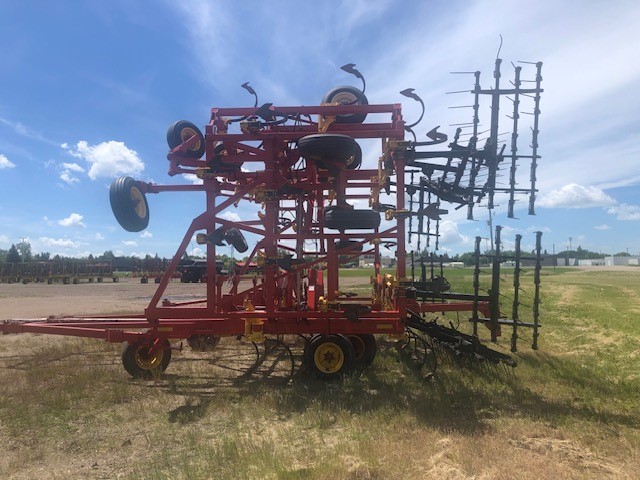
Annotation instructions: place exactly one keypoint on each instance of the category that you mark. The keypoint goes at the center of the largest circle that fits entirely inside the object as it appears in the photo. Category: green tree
(25, 251)
(13, 256)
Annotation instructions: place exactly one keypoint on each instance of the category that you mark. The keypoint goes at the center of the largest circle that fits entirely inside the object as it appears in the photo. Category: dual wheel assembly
(332, 356)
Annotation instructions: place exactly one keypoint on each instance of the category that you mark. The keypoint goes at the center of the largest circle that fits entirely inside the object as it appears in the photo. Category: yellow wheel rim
(148, 360)
(186, 134)
(138, 201)
(329, 357)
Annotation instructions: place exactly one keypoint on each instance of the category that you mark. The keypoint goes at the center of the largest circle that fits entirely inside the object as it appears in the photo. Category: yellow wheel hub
(329, 357)
(146, 359)
(138, 201)
(186, 134)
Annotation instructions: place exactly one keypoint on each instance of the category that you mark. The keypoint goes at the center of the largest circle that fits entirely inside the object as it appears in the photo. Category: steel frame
(278, 301)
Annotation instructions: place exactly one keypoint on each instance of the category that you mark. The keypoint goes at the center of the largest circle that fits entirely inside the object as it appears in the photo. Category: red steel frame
(276, 303)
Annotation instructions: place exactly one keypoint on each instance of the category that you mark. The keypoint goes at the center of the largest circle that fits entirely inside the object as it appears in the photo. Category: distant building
(368, 259)
(622, 260)
(591, 262)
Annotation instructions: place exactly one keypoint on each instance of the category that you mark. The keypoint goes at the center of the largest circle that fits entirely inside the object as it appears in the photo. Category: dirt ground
(39, 300)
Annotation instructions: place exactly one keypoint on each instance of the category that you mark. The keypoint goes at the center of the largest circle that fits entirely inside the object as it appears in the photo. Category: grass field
(569, 410)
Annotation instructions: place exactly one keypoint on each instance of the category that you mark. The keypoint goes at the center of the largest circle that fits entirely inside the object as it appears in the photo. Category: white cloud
(197, 252)
(625, 212)
(576, 196)
(68, 179)
(5, 162)
(231, 216)
(450, 235)
(108, 159)
(146, 234)
(98, 236)
(58, 242)
(193, 178)
(73, 220)
(130, 243)
(602, 227)
(73, 167)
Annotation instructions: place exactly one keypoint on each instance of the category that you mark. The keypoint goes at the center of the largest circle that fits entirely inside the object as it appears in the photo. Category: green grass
(569, 410)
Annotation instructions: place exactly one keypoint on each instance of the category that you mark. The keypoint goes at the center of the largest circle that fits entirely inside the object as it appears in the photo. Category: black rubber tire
(182, 131)
(347, 95)
(217, 163)
(354, 162)
(144, 280)
(139, 364)
(129, 204)
(348, 219)
(365, 348)
(235, 237)
(328, 356)
(322, 147)
(352, 245)
(100, 279)
(203, 343)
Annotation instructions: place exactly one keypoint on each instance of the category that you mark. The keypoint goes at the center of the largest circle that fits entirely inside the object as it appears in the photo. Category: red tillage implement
(297, 171)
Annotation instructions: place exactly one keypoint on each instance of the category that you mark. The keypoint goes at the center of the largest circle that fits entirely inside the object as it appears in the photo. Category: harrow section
(309, 202)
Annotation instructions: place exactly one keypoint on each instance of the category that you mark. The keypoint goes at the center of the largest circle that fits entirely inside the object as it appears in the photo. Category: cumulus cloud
(98, 236)
(68, 179)
(107, 159)
(130, 243)
(191, 177)
(5, 162)
(625, 212)
(576, 196)
(58, 242)
(72, 167)
(231, 216)
(450, 235)
(73, 220)
(146, 234)
(602, 227)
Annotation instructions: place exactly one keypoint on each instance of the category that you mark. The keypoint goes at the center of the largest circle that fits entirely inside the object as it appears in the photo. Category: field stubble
(570, 410)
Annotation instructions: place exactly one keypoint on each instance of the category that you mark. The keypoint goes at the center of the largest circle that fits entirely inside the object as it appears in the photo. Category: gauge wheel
(365, 348)
(323, 147)
(348, 219)
(140, 361)
(129, 204)
(181, 131)
(351, 245)
(329, 356)
(355, 161)
(347, 95)
(234, 237)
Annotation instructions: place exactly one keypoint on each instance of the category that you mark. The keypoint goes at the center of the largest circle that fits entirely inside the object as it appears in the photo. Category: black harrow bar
(461, 344)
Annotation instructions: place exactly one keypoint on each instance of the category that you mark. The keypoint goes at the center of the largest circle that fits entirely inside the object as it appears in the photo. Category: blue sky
(89, 88)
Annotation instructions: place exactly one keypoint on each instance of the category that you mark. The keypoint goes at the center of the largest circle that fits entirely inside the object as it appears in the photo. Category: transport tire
(234, 237)
(348, 219)
(181, 131)
(351, 245)
(355, 162)
(329, 356)
(365, 348)
(144, 280)
(129, 204)
(347, 95)
(140, 362)
(322, 147)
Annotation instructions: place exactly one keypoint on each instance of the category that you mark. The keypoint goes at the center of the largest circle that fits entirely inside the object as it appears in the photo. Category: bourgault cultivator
(301, 170)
